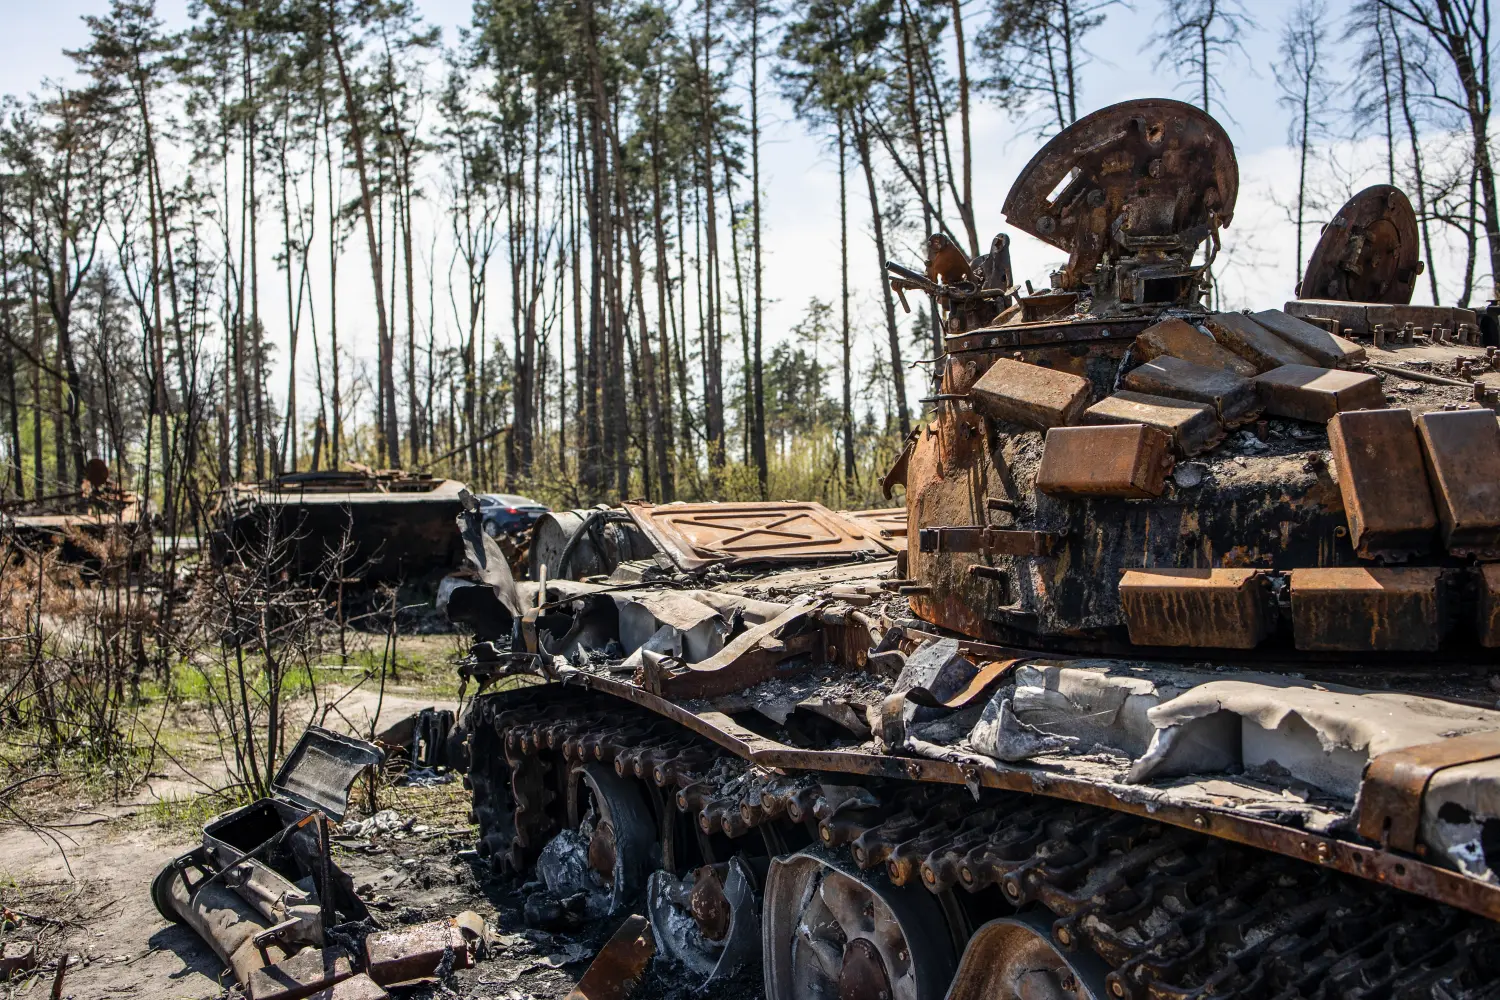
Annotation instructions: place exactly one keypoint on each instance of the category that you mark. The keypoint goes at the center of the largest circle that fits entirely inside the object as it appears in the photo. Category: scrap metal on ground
(264, 891)
(1172, 681)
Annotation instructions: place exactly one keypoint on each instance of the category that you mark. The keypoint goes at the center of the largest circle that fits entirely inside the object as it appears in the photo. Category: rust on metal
(863, 974)
(748, 659)
(1362, 609)
(1399, 871)
(1462, 452)
(1176, 338)
(1361, 318)
(360, 987)
(1489, 605)
(1253, 342)
(1323, 346)
(1302, 392)
(1078, 331)
(1192, 427)
(886, 524)
(1156, 174)
(301, 975)
(15, 957)
(1390, 797)
(1232, 397)
(1368, 252)
(1030, 395)
(708, 904)
(1383, 483)
(983, 683)
(1212, 608)
(398, 524)
(1130, 461)
(697, 535)
(415, 953)
(992, 541)
(616, 971)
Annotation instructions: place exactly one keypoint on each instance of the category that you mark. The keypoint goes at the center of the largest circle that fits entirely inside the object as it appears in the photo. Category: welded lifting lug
(994, 541)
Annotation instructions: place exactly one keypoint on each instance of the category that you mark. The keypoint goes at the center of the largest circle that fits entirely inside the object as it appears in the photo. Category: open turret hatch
(1130, 192)
(1368, 252)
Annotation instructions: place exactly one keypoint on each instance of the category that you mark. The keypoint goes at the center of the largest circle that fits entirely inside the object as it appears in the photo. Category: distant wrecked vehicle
(363, 525)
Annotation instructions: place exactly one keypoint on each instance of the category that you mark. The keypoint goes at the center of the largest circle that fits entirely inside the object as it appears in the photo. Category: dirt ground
(80, 888)
(100, 913)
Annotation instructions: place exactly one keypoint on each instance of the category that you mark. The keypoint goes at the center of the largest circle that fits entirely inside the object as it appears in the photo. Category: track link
(1175, 914)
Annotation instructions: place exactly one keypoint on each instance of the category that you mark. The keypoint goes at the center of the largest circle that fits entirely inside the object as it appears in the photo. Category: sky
(800, 176)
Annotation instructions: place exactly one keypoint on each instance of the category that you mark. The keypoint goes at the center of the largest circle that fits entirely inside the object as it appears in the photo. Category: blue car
(508, 514)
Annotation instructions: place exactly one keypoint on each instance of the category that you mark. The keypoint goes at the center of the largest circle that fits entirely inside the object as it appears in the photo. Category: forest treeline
(558, 224)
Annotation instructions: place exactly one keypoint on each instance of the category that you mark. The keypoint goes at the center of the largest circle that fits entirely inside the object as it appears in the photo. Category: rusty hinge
(1390, 799)
(994, 541)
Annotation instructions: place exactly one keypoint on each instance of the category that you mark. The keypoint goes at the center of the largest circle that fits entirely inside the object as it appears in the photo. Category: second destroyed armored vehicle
(1181, 686)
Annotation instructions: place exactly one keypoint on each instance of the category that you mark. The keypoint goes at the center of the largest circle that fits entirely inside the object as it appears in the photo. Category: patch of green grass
(188, 814)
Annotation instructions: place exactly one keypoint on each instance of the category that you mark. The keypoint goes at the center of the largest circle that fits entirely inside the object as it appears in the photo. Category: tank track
(1175, 914)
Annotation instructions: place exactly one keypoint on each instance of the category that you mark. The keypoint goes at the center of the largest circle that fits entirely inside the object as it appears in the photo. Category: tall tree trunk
(1418, 174)
(336, 432)
(847, 412)
(966, 206)
(1302, 147)
(898, 369)
(366, 204)
(713, 387)
(662, 437)
(757, 391)
(413, 422)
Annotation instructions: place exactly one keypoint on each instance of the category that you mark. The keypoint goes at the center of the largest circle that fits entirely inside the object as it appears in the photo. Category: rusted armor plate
(1390, 797)
(1381, 477)
(309, 970)
(695, 535)
(1462, 450)
(1163, 167)
(1192, 427)
(1301, 392)
(1077, 330)
(411, 953)
(1178, 338)
(1367, 610)
(1361, 318)
(887, 525)
(1253, 342)
(1030, 394)
(620, 964)
(983, 681)
(1232, 397)
(1321, 345)
(360, 987)
(1368, 253)
(993, 541)
(1130, 461)
(1489, 605)
(1215, 608)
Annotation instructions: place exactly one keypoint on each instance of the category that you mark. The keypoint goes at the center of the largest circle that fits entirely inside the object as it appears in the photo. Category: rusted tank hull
(364, 537)
(1180, 689)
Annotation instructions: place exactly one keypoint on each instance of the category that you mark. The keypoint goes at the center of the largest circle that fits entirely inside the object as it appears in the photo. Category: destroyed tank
(1171, 680)
(359, 527)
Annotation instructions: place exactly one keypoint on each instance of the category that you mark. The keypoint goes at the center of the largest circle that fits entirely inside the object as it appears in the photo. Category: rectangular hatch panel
(695, 535)
(321, 767)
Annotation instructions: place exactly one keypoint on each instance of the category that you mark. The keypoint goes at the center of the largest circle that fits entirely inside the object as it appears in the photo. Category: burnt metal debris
(1369, 251)
(74, 522)
(264, 891)
(1121, 704)
(361, 525)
